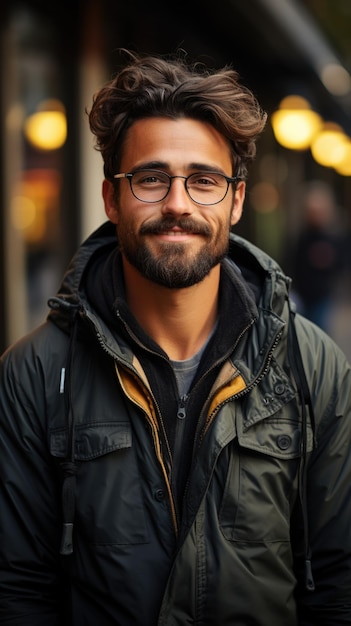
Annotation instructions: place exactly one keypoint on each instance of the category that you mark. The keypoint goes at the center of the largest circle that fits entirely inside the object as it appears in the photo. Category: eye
(206, 179)
(149, 178)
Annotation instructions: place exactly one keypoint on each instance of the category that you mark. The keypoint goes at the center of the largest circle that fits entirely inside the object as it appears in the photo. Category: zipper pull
(181, 413)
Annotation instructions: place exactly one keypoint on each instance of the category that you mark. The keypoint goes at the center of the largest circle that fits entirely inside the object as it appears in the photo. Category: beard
(174, 266)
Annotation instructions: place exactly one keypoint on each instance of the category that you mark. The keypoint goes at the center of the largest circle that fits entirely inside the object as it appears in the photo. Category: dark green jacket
(81, 440)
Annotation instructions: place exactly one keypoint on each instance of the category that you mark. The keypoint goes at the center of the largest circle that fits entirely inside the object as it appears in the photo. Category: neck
(178, 320)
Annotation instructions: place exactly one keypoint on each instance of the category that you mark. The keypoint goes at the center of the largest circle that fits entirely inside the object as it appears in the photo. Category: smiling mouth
(179, 228)
(177, 233)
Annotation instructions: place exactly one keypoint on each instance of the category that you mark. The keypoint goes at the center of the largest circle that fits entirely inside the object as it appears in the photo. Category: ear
(108, 194)
(238, 203)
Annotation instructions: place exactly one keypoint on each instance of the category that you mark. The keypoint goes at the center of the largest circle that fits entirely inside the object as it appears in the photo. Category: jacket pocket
(261, 485)
(108, 499)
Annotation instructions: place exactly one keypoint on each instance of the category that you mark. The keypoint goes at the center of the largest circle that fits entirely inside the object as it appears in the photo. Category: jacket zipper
(199, 436)
(247, 389)
(223, 359)
(181, 415)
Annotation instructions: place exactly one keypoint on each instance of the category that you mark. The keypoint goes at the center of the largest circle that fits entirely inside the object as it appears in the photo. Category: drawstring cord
(68, 466)
(304, 392)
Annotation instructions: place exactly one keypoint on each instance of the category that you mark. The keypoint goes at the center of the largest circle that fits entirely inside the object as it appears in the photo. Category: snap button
(279, 388)
(159, 495)
(284, 442)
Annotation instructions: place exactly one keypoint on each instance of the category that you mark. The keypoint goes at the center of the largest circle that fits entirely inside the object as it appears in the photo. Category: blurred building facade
(54, 57)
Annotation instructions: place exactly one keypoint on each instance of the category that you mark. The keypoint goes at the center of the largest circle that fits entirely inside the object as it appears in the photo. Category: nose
(177, 201)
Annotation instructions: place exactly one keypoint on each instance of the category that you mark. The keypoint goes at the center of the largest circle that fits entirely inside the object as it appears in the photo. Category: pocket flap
(91, 440)
(276, 437)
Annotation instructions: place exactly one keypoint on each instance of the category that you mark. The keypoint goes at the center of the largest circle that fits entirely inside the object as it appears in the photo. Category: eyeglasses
(203, 187)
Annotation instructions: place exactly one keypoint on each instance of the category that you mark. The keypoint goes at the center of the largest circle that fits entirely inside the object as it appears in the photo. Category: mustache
(186, 224)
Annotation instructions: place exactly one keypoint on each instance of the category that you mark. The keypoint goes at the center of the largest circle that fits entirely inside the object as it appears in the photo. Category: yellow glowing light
(344, 167)
(46, 129)
(294, 123)
(329, 146)
(35, 204)
(23, 212)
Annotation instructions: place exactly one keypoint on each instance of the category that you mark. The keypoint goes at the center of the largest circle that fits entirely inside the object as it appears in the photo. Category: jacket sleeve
(328, 483)
(29, 515)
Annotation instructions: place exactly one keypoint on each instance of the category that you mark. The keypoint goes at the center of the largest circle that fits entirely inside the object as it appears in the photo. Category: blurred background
(295, 55)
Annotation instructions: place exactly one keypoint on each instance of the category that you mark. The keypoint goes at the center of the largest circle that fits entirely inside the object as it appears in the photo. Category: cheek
(129, 223)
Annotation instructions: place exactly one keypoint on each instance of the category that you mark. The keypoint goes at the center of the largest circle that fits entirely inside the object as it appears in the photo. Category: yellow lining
(233, 387)
(132, 388)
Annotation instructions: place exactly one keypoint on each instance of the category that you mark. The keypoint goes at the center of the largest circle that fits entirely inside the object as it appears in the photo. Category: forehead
(176, 143)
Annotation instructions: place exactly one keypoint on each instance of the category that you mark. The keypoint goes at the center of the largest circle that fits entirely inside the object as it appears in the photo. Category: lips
(176, 231)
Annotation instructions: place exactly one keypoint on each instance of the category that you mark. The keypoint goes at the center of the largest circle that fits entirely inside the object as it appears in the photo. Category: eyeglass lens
(202, 187)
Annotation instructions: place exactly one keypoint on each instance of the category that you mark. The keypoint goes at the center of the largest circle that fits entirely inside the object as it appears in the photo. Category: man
(161, 458)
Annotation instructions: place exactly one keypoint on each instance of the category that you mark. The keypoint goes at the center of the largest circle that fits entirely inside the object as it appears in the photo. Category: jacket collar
(259, 279)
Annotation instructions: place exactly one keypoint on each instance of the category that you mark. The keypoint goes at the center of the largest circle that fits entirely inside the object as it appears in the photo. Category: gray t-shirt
(185, 370)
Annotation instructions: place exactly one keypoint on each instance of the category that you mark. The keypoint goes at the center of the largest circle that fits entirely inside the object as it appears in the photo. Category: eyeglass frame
(129, 176)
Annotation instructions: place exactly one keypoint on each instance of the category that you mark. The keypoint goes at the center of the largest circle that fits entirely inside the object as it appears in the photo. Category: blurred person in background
(174, 442)
(319, 255)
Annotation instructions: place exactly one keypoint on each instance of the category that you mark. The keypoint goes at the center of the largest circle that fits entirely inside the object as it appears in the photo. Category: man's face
(174, 242)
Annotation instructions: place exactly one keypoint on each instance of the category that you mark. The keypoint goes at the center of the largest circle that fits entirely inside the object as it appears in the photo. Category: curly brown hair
(155, 86)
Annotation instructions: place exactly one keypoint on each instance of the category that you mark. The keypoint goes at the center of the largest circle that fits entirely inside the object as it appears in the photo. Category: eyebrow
(162, 165)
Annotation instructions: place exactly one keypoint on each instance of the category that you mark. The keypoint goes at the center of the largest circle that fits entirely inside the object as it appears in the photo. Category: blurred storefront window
(34, 133)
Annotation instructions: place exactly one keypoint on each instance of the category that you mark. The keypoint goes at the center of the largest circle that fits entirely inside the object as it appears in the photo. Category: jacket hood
(70, 295)
(261, 273)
